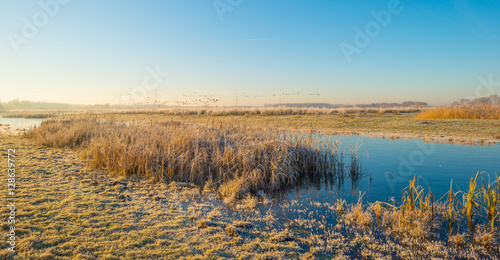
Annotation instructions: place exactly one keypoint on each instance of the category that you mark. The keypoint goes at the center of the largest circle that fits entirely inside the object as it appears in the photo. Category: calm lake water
(390, 164)
(21, 122)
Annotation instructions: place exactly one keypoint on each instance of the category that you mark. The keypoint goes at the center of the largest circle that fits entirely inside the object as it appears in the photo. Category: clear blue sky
(99, 51)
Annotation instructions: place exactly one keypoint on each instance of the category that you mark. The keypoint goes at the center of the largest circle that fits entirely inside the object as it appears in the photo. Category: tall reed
(490, 200)
(470, 202)
(452, 204)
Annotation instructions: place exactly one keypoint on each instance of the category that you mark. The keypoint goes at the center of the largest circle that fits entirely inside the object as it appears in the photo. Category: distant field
(389, 125)
(429, 124)
(261, 111)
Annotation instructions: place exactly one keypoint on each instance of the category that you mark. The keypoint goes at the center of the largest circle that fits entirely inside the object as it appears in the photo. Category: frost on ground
(67, 211)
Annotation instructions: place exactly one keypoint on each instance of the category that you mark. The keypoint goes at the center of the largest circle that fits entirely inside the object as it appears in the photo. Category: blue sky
(101, 51)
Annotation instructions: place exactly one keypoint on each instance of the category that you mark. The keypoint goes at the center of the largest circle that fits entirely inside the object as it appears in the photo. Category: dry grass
(236, 158)
(65, 214)
(415, 218)
(420, 218)
(359, 217)
(462, 112)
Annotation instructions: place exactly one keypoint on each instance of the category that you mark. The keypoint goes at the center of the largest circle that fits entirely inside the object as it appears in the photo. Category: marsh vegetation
(236, 159)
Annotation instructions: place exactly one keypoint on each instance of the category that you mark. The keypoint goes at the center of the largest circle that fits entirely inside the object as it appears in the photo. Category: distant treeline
(418, 104)
(491, 100)
(18, 104)
(305, 105)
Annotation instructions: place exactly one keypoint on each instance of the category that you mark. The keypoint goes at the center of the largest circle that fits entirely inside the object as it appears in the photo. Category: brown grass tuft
(358, 216)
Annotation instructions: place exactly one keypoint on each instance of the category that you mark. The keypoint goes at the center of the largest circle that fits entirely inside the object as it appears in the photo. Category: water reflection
(384, 158)
(21, 122)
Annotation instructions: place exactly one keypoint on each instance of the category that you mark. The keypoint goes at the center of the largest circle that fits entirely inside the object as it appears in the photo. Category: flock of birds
(196, 99)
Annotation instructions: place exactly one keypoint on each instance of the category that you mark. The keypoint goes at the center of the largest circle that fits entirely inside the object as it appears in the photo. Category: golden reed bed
(462, 112)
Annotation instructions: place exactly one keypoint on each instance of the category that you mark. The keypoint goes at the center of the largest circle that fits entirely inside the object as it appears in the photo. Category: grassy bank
(466, 217)
(67, 211)
(30, 114)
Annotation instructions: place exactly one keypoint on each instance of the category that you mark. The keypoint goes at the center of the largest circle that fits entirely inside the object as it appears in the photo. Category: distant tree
(491, 100)
(24, 104)
(481, 101)
(494, 100)
(407, 104)
(464, 101)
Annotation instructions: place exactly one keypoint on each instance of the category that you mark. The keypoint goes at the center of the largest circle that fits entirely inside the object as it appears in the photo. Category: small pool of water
(390, 164)
(21, 122)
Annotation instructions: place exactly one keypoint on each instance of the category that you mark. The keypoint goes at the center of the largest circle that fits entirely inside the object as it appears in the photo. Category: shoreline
(10, 130)
(469, 141)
